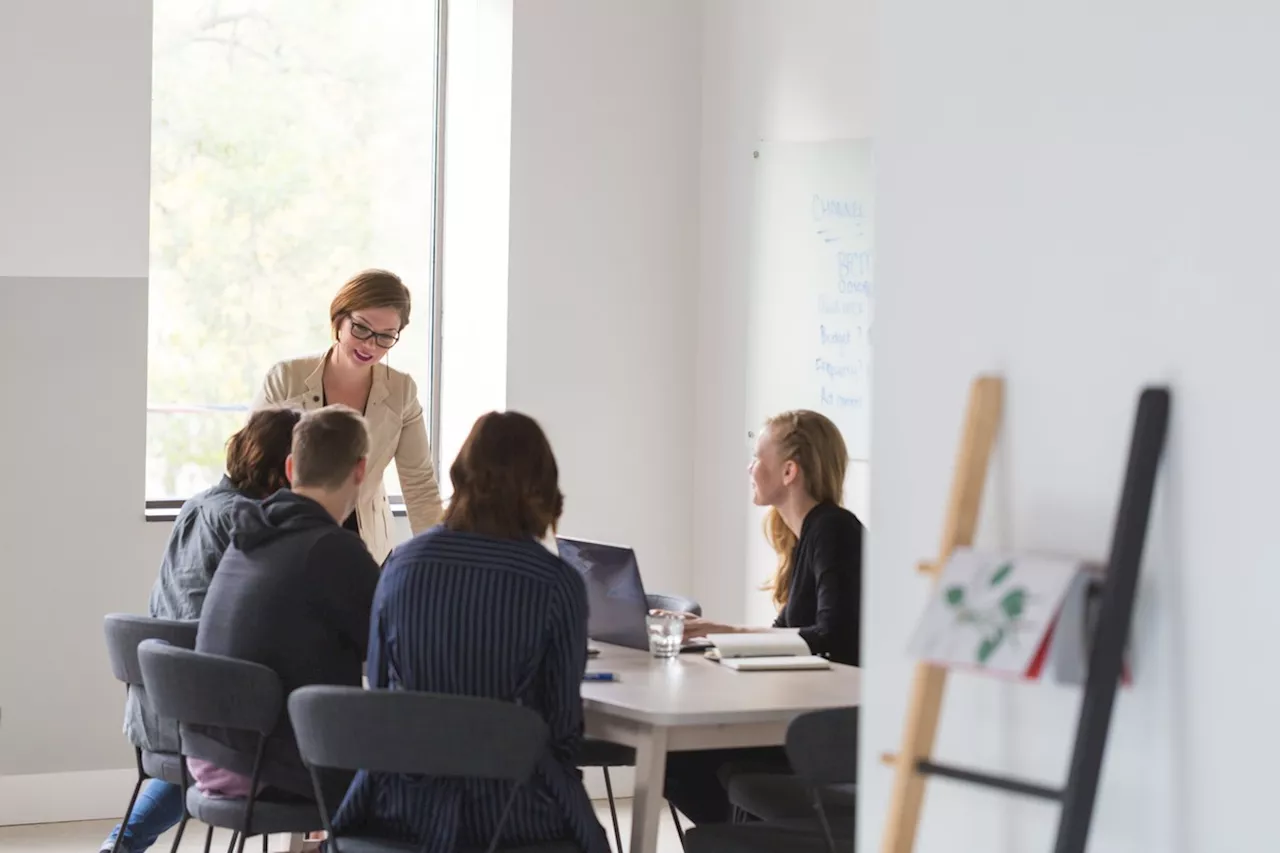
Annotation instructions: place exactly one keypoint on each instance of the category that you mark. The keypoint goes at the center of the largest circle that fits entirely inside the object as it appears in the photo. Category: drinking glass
(666, 633)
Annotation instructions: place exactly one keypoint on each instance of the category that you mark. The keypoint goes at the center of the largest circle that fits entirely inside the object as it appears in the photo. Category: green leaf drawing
(1013, 602)
(955, 596)
(1001, 573)
(989, 645)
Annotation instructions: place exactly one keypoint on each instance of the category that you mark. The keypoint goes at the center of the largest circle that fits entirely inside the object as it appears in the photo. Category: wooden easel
(914, 763)
(986, 402)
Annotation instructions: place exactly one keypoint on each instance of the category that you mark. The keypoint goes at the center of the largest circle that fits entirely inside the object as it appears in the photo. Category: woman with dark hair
(479, 607)
(201, 533)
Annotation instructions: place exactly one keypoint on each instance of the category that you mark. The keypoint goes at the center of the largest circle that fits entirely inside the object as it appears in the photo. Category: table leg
(648, 803)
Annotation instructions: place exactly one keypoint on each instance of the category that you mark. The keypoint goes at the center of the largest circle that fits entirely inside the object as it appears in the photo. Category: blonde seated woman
(798, 472)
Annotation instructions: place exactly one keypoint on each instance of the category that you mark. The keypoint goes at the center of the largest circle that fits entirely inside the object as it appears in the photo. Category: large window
(293, 144)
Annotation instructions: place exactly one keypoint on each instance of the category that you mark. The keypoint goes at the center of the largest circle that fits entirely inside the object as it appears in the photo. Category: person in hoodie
(201, 533)
(293, 593)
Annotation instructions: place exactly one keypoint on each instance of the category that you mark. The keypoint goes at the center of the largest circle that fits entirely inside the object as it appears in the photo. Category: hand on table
(696, 626)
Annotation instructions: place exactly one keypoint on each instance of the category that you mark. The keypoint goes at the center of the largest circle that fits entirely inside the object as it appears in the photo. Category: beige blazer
(396, 431)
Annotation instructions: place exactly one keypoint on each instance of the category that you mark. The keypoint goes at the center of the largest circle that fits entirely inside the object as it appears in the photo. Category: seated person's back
(202, 531)
(201, 534)
(478, 607)
(293, 593)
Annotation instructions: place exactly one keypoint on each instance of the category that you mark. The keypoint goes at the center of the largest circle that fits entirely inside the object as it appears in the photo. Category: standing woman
(367, 317)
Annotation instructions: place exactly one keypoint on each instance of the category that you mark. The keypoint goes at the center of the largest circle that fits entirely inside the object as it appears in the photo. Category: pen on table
(600, 676)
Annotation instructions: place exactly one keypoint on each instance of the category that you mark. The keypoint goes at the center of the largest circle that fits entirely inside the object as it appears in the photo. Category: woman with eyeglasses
(367, 317)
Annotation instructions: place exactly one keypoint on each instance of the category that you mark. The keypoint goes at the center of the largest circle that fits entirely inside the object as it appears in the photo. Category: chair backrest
(201, 689)
(822, 746)
(125, 631)
(674, 603)
(403, 731)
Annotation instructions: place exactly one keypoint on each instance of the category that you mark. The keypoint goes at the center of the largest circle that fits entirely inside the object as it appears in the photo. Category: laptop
(616, 604)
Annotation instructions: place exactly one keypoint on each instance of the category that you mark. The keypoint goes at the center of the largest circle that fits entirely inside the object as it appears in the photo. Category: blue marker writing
(600, 676)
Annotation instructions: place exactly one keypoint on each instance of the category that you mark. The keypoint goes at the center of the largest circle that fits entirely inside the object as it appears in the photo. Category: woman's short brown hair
(505, 480)
(256, 454)
(370, 289)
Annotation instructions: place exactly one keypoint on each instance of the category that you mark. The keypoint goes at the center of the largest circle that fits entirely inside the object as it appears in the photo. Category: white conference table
(690, 703)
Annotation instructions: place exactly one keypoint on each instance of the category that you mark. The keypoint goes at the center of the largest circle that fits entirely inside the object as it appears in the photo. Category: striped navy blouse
(472, 615)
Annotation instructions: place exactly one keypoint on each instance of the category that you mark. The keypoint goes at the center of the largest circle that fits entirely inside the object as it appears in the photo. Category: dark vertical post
(1106, 658)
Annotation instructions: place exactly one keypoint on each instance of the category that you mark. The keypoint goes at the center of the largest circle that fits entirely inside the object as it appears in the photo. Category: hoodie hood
(282, 514)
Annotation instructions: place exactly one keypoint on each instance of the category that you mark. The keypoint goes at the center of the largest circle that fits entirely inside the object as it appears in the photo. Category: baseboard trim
(65, 797)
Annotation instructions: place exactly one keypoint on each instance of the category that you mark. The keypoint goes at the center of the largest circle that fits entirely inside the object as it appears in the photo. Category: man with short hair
(293, 593)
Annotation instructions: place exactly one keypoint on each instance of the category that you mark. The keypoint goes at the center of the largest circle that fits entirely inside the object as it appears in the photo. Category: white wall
(1082, 196)
(794, 71)
(603, 262)
(75, 108)
(75, 105)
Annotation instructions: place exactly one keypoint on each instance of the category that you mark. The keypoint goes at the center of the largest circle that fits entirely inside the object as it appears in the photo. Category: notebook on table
(771, 650)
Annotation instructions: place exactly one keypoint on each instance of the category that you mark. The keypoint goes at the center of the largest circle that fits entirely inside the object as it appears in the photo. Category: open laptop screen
(615, 593)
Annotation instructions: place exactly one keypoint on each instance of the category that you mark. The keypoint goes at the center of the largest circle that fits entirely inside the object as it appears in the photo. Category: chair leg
(235, 836)
(675, 816)
(124, 821)
(186, 815)
(613, 809)
(182, 827)
(208, 841)
(264, 842)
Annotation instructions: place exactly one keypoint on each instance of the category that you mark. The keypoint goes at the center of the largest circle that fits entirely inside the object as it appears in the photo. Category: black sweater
(293, 592)
(825, 599)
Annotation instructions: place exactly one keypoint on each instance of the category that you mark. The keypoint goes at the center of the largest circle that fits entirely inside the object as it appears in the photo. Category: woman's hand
(695, 627)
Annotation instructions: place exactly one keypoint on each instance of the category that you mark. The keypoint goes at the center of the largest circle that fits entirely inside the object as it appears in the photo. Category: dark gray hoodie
(293, 592)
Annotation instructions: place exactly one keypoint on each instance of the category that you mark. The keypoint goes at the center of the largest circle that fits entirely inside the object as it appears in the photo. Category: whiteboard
(810, 306)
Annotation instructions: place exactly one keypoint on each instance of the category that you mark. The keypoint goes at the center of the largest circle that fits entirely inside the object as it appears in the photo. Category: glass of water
(666, 633)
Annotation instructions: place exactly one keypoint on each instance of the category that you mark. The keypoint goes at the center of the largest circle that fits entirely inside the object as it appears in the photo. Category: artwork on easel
(994, 612)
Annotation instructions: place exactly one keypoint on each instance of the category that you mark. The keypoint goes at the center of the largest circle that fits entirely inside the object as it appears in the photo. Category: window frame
(167, 509)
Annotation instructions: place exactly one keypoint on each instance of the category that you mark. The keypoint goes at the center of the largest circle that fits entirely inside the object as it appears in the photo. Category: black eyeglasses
(361, 332)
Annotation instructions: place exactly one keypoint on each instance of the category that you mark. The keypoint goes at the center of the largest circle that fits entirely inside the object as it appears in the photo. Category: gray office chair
(783, 796)
(674, 603)
(198, 689)
(822, 748)
(428, 734)
(830, 787)
(123, 633)
(603, 754)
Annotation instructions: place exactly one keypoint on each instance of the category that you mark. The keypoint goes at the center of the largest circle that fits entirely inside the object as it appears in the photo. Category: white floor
(86, 837)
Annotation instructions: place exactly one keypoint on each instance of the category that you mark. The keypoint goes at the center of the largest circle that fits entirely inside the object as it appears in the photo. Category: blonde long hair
(814, 443)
